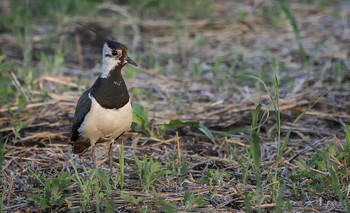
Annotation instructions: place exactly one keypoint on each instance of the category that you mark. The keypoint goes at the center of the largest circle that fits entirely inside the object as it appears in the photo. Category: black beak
(130, 61)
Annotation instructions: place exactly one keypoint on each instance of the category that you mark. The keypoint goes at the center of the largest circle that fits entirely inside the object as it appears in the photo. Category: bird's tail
(80, 146)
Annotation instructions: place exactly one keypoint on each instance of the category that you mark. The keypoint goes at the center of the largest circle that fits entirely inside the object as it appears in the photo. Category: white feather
(105, 123)
(108, 63)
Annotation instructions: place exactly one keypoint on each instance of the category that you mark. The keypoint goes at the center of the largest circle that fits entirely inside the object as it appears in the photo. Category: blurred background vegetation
(38, 38)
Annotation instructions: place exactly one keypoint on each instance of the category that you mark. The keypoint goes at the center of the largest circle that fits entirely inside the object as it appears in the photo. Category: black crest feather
(93, 30)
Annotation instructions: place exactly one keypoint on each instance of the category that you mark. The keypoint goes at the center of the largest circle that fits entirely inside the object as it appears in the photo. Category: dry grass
(177, 94)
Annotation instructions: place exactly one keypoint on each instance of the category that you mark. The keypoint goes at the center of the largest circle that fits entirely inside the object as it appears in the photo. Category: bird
(104, 111)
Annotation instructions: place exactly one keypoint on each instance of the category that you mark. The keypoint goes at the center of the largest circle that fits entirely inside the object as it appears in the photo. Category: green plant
(232, 131)
(118, 179)
(233, 154)
(273, 14)
(165, 205)
(255, 152)
(341, 71)
(190, 202)
(144, 94)
(99, 184)
(148, 171)
(121, 163)
(177, 170)
(140, 119)
(55, 11)
(85, 187)
(8, 93)
(247, 199)
(255, 141)
(103, 190)
(2, 199)
(327, 170)
(147, 208)
(50, 65)
(178, 103)
(142, 124)
(177, 123)
(55, 190)
(138, 203)
(215, 177)
(18, 126)
(2, 151)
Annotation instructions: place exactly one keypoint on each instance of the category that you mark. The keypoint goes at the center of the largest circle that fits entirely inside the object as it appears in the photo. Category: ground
(263, 86)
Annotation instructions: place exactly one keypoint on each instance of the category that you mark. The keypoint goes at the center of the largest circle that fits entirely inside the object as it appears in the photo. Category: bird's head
(114, 55)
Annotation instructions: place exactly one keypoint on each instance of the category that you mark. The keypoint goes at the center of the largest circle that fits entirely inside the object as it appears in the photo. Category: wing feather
(83, 107)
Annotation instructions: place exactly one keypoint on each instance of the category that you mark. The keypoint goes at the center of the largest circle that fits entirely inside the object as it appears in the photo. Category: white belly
(101, 122)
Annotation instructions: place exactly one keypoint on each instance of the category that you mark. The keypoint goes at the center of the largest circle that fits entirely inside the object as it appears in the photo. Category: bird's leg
(93, 156)
(110, 154)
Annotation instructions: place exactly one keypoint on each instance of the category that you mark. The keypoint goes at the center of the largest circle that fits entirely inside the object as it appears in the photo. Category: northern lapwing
(104, 111)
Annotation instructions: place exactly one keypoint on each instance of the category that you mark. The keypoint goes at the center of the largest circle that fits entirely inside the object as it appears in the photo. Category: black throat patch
(111, 92)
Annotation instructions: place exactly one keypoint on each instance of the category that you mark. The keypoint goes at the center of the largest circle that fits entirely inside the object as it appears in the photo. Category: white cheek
(108, 64)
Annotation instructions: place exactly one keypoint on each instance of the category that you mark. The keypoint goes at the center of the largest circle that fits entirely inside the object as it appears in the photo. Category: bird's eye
(114, 52)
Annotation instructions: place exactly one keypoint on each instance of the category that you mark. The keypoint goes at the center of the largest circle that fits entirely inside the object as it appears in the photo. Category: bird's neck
(110, 64)
(110, 91)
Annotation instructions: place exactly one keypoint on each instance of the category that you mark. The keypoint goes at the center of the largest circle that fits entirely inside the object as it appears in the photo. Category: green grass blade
(256, 151)
(336, 185)
(207, 132)
(247, 204)
(2, 151)
(264, 117)
(255, 140)
(347, 138)
(280, 197)
(295, 121)
(168, 207)
(127, 197)
(178, 123)
(137, 161)
(277, 105)
(256, 116)
(2, 200)
(251, 77)
(36, 176)
(293, 22)
(77, 179)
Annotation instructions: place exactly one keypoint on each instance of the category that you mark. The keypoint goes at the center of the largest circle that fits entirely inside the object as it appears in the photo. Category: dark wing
(83, 107)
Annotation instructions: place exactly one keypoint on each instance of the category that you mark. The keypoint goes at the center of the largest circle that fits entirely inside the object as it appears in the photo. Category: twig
(59, 80)
(341, 146)
(265, 206)
(10, 191)
(79, 52)
(281, 158)
(18, 86)
(178, 147)
(234, 186)
(29, 106)
(237, 143)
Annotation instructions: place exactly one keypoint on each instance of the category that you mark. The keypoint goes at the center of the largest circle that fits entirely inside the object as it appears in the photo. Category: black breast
(111, 92)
